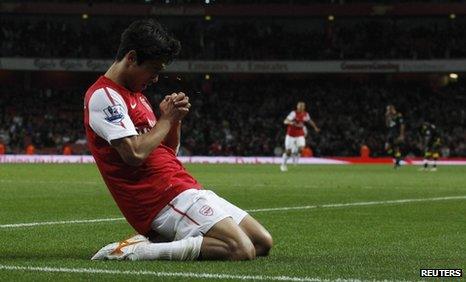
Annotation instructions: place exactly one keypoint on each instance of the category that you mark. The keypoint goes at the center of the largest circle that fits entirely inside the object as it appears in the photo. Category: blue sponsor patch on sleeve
(114, 114)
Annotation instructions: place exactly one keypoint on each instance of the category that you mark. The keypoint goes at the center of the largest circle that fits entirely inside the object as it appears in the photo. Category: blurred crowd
(45, 118)
(245, 39)
(233, 2)
(245, 117)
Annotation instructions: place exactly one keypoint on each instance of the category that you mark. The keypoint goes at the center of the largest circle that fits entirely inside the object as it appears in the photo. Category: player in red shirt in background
(136, 156)
(296, 133)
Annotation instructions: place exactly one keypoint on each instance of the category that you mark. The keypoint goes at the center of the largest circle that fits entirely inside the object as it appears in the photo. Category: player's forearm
(402, 130)
(136, 149)
(172, 139)
(313, 124)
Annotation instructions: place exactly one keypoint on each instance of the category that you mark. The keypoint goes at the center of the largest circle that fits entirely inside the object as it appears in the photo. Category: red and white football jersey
(112, 112)
(301, 117)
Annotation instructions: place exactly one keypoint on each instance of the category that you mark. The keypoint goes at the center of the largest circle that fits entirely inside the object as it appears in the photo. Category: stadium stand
(242, 114)
(244, 117)
(251, 39)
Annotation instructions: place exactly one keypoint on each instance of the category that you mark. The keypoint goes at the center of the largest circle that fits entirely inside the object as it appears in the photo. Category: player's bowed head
(144, 51)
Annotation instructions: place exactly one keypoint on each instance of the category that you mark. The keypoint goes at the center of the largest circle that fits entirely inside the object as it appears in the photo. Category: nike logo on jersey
(133, 106)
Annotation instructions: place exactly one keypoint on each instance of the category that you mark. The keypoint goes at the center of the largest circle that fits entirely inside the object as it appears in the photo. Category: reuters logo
(206, 210)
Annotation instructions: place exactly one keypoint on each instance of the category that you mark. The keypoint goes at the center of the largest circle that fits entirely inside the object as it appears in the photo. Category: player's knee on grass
(266, 244)
(236, 244)
(263, 244)
(259, 236)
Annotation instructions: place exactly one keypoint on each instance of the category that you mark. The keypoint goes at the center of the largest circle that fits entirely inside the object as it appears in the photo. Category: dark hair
(150, 41)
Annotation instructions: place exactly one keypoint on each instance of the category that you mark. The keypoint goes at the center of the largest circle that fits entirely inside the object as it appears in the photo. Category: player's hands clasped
(175, 106)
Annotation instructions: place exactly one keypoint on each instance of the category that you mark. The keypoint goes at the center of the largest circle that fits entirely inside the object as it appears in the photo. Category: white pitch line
(163, 274)
(16, 181)
(401, 201)
(50, 182)
(31, 224)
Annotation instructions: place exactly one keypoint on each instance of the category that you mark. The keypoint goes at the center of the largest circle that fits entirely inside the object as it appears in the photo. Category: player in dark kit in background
(396, 134)
(431, 143)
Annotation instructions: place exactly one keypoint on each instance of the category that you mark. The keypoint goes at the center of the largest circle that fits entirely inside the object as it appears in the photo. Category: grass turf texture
(385, 241)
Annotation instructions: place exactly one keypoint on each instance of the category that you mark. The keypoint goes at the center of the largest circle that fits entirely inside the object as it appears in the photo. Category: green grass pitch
(378, 241)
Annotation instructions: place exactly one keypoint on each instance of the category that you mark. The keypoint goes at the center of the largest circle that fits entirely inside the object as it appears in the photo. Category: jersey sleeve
(307, 117)
(108, 115)
(291, 116)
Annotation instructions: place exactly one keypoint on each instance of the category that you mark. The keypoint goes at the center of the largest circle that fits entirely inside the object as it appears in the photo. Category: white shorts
(193, 213)
(293, 143)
